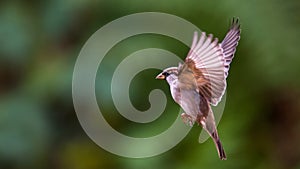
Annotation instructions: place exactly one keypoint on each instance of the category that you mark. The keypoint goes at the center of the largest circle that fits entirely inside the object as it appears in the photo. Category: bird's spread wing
(230, 43)
(209, 61)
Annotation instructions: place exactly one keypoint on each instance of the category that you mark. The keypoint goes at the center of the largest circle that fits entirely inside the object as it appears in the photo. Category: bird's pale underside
(200, 81)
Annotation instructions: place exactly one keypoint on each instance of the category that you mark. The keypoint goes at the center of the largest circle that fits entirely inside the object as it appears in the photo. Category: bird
(200, 82)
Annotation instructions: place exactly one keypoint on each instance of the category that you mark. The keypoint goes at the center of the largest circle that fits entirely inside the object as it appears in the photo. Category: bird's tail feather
(219, 146)
(209, 125)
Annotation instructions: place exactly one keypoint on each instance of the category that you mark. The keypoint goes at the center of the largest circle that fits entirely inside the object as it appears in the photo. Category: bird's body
(200, 81)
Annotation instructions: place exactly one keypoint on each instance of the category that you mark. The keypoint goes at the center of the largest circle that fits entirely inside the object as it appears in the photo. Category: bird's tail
(218, 144)
(209, 125)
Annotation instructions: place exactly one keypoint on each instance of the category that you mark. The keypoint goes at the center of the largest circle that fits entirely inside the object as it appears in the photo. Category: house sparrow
(201, 80)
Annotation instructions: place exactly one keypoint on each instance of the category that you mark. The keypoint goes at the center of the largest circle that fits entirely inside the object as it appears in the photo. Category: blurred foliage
(40, 41)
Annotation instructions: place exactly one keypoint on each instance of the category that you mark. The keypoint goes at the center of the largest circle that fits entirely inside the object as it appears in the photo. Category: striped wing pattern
(212, 59)
(230, 43)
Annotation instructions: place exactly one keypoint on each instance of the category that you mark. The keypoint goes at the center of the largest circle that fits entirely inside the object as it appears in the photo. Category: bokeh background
(39, 44)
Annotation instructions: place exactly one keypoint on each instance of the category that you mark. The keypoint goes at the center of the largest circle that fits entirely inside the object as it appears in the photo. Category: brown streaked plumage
(200, 81)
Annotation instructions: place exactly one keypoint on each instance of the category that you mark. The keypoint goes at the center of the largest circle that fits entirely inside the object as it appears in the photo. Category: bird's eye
(166, 74)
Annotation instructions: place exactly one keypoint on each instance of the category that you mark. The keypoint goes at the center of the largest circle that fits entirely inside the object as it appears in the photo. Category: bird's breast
(175, 92)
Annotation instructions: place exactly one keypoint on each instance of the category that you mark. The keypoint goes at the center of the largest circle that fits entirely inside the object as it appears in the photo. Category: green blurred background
(40, 41)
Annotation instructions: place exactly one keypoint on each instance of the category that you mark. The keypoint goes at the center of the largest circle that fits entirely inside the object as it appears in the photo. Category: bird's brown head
(162, 75)
(167, 72)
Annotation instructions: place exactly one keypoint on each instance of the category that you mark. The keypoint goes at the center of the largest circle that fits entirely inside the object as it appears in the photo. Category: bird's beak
(160, 76)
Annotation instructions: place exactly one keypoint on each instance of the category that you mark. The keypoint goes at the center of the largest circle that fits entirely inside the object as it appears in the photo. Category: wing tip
(235, 23)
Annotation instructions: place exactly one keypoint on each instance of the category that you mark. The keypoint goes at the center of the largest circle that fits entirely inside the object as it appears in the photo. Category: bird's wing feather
(230, 43)
(209, 61)
(191, 96)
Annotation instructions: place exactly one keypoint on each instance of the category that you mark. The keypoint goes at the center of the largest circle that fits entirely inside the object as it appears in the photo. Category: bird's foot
(201, 121)
(187, 119)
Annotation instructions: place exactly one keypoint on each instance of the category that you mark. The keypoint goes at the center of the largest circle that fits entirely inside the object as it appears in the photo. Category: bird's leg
(187, 119)
(201, 121)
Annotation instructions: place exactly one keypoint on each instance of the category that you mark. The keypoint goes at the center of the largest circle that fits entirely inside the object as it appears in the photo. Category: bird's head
(172, 71)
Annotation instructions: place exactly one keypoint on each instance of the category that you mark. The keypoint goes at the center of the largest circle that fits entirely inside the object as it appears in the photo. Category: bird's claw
(188, 120)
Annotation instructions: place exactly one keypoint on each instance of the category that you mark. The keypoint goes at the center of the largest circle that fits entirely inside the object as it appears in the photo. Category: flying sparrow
(200, 81)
